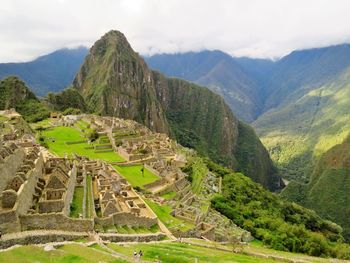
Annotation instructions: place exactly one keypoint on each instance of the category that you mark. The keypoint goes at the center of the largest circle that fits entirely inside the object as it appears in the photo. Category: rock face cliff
(114, 80)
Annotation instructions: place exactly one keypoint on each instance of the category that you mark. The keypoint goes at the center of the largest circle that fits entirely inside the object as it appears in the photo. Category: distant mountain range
(52, 72)
(235, 79)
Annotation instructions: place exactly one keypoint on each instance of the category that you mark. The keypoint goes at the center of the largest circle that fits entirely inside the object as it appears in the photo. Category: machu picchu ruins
(73, 193)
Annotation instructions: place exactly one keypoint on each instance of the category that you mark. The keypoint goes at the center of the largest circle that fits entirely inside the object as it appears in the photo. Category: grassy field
(134, 175)
(166, 252)
(57, 138)
(67, 253)
(89, 199)
(169, 195)
(163, 213)
(77, 204)
(176, 252)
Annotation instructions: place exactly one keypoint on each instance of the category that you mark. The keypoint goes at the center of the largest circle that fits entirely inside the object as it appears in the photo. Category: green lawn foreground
(57, 138)
(181, 252)
(134, 175)
(68, 253)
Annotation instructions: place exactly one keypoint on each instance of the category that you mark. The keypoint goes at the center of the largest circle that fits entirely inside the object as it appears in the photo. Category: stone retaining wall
(9, 222)
(40, 238)
(56, 221)
(159, 182)
(132, 238)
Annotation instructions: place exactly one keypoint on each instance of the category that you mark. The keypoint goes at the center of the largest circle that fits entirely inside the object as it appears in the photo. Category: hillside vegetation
(328, 190)
(15, 94)
(282, 225)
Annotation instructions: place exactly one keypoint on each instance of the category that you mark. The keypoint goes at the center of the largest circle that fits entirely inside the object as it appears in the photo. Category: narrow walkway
(165, 230)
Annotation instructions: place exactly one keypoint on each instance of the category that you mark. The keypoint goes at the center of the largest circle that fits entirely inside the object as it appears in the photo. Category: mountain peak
(113, 41)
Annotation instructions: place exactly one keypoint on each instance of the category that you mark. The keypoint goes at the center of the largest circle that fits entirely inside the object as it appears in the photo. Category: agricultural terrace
(163, 212)
(135, 176)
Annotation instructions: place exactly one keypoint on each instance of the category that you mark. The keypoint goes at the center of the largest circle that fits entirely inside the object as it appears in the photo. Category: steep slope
(15, 94)
(328, 191)
(280, 224)
(52, 72)
(217, 71)
(114, 80)
(299, 133)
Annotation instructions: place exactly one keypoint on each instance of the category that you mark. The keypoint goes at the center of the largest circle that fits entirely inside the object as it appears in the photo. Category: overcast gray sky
(256, 28)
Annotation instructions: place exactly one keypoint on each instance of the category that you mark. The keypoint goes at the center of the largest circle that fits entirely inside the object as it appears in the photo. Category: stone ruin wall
(70, 190)
(9, 222)
(27, 190)
(126, 219)
(9, 167)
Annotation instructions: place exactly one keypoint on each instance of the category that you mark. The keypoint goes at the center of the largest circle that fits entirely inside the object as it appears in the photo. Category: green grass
(163, 213)
(198, 173)
(89, 199)
(134, 175)
(83, 126)
(77, 203)
(169, 195)
(135, 230)
(67, 253)
(3, 118)
(57, 138)
(176, 252)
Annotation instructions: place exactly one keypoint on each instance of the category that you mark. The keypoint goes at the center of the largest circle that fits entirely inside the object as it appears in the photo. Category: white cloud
(255, 28)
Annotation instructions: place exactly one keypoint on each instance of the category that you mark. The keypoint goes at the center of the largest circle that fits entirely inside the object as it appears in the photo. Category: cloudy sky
(255, 28)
